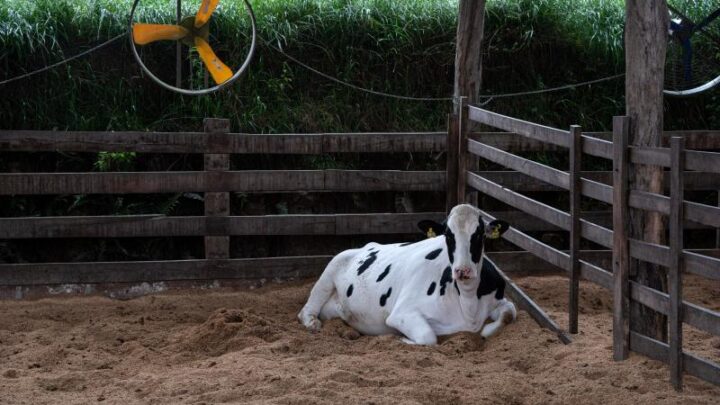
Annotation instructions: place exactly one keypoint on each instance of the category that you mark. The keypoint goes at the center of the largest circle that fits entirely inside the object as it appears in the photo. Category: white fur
(409, 310)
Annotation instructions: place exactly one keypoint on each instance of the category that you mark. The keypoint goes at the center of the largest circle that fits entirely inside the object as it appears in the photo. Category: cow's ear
(431, 229)
(494, 229)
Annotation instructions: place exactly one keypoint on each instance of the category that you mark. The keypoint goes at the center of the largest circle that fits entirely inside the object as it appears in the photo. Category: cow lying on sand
(437, 286)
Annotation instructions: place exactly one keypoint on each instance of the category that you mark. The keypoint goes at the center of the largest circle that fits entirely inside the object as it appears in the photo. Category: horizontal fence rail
(159, 225)
(234, 143)
(261, 181)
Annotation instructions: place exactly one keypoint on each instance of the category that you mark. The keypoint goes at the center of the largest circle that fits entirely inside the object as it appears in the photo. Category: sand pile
(247, 346)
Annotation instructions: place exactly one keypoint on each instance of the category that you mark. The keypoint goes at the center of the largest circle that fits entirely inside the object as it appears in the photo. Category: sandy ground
(246, 346)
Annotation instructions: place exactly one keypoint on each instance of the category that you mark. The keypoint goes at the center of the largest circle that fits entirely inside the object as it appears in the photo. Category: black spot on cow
(490, 280)
(445, 279)
(408, 243)
(384, 297)
(456, 287)
(477, 239)
(367, 262)
(431, 289)
(384, 273)
(350, 290)
(434, 254)
(450, 241)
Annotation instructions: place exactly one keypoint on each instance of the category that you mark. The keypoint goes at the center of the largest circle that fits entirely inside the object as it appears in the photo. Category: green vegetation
(404, 47)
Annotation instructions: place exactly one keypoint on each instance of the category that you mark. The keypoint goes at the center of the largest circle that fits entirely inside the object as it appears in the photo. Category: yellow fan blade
(146, 33)
(206, 9)
(218, 70)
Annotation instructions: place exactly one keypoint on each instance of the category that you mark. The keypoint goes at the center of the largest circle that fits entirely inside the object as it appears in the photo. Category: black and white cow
(421, 290)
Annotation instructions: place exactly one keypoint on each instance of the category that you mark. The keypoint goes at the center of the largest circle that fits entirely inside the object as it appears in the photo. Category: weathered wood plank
(170, 270)
(315, 143)
(693, 365)
(528, 167)
(519, 201)
(649, 156)
(597, 147)
(701, 265)
(701, 318)
(217, 205)
(694, 139)
(452, 168)
(513, 142)
(160, 182)
(675, 336)
(700, 213)
(100, 226)
(248, 181)
(596, 190)
(549, 254)
(196, 142)
(596, 274)
(621, 255)
(159, 225)
(575, 230)
(701, 161)
(538, 132)
(463, 156)
(526, 303)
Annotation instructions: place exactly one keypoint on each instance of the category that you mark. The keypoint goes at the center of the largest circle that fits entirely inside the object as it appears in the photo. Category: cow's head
(465, 234)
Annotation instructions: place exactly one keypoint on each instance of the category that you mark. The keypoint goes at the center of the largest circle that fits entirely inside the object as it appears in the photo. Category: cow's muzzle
(462, 273)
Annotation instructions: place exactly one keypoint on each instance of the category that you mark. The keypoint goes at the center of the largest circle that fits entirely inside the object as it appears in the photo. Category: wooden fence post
(575, 231)
(463, 155)
(452, 168)
(675, 318)
(217, 204)
(621, 260)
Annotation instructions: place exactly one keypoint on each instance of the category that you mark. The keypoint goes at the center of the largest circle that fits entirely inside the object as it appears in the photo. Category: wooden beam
(240, 143)
(675, 336)
(217, 204)
(527, 304)
(575, 230)
(160, 225)
(468, 51)
(452, 168)
(693, 365)
(168, 270)
(259, 181)
(621, 256)
(535, 131)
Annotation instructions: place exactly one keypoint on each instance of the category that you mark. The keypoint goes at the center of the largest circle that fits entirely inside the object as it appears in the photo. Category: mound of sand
(228, 330)
(247, 346)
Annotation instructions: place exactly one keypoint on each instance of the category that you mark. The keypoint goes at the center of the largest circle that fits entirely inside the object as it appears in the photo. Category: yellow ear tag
(495, 232)
(431, 233)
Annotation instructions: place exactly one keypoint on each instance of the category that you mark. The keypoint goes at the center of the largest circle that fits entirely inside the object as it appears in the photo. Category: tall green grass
(404, 47)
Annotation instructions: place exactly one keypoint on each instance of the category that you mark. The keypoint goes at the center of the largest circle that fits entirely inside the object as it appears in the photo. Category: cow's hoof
(314, 325)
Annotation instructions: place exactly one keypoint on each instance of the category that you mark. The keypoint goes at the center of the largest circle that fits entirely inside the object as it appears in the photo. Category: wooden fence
(216, 181)
(678, 158)
(607, 266)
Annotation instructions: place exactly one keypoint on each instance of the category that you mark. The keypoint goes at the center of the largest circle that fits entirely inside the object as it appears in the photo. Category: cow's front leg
(503, 314)
(414, 326)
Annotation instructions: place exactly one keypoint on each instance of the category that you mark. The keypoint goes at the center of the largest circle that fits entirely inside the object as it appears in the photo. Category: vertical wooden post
(217, 204)
(675, 268)
(463, 160)
(452, 168)
(621, 259)
(575, 194)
